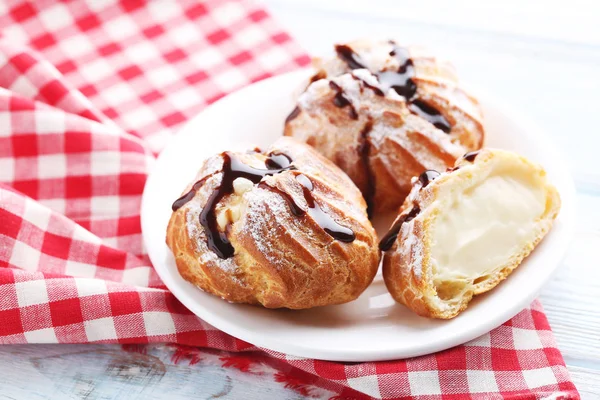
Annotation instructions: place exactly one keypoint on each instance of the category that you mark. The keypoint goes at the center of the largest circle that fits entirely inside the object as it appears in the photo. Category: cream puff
(461, 232)
(281, 228)
(384, 113)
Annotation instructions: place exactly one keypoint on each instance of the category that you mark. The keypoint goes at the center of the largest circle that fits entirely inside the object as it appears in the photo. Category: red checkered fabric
(89, 93)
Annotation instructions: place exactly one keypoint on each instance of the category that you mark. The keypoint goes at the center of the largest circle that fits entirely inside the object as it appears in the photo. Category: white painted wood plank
(573, 22)
(107, 372)
(587, 381)
(572, 298)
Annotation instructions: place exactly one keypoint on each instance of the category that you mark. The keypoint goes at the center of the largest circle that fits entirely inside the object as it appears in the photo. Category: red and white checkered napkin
(88, 93)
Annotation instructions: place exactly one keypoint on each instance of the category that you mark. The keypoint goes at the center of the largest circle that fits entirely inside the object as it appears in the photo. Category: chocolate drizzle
(470, 156)
(364, 150)
(376, 89)
(400, 80)
(349, 56)
(427, 177)
(180, 202)
(294, 207)
(318, 76)
(277, 160)
(233, 168)
(388, 240)
(328, 224)
(429, 113)
(295, 112)
(341, 101)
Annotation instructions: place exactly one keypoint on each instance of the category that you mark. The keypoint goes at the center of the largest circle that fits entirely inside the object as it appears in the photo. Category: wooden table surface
(541, 56)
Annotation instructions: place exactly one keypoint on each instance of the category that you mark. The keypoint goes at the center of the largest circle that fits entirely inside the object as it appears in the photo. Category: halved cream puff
(461, 232)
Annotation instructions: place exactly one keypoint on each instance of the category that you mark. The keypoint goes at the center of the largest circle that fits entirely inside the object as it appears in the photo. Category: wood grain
(107, 372)
(587, 382)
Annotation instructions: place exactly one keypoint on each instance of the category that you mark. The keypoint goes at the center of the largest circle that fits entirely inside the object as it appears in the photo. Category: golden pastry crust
(425, 284)
(280, 259)
(436, 83)
(379, 143)
(383, 126)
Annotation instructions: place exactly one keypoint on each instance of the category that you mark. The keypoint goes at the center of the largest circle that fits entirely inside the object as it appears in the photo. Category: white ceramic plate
(373, 327)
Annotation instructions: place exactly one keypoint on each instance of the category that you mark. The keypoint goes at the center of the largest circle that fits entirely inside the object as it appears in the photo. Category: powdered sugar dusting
(307, 100)
(355, 91)
(373, 53)
(412, 249)
(436, 79)
(382, 130)
(192, 215)
(263, 202)
(365, 100)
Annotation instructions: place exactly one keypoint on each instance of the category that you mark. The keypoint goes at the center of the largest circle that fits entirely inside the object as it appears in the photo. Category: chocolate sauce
(234, 168)
(294, 207)
(349, 56)
(470, 156)
(364, 150)
(341, 101)
(180, 202)
(400, 80)
(429, 113)
(277, 160)
(388, 240)
(427, 177)
(327, 223)
(334, 229)
(374, 88)
(295, 112)
(318, 76)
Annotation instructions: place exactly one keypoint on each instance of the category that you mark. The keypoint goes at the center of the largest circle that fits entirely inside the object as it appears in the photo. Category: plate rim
(360, 355)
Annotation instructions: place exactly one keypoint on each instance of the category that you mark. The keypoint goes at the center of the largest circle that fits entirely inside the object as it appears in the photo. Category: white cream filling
(242, 185)
(233, 211)
(481, 228)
